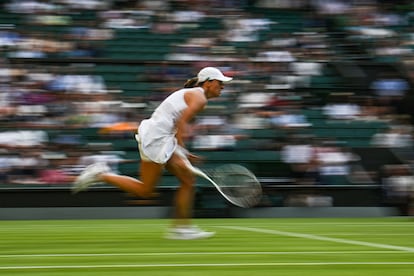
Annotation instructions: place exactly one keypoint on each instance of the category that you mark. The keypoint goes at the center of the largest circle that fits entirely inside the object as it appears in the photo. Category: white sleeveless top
(157, 134)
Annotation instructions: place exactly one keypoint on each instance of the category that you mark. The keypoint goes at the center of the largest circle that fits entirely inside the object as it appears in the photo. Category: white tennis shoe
(89, 177)
(188, 233)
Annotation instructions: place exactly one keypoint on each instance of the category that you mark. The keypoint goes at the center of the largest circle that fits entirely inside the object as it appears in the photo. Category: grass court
(277, 246)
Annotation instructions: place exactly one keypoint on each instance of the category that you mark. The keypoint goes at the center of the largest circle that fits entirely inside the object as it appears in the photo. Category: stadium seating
(125, 61)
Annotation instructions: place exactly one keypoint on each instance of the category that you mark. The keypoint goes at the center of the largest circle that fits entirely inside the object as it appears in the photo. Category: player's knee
(186, 188)
(184, 174)
(188, 183)
(188, 177)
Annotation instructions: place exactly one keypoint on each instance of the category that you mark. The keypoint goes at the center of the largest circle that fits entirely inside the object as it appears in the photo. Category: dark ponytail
(190, 83)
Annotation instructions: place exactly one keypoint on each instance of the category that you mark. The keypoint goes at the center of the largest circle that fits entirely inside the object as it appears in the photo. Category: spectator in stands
(244, 29)
(26, 167)
(334, 163)
(300, 154)
(342, 107)
(215, 132)
(77, 83)
(251, 118)
(23, 139)
(398, 183)
(6, 165)
(8, 38)
(161, 142)
(290, 117)
(30, 6)
(370, 110)
(398, 136)
(126, 19)
(390, 89)
(54, 170)
(393, 48)
(7, 97)
(274, 56)
(389, 85)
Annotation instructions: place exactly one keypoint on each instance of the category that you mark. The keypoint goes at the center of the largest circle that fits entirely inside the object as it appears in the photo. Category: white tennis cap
(211, 73)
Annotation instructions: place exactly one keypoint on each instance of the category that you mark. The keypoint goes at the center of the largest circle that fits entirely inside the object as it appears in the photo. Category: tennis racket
(234, 182)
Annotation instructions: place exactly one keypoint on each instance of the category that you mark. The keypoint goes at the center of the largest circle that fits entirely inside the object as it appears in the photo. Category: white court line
(199, 253)
(370, 234)
(283, 223)
(320, 238)
(200, 265)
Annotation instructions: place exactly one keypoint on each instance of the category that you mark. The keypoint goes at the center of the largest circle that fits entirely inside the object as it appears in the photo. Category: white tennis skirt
(153, 144)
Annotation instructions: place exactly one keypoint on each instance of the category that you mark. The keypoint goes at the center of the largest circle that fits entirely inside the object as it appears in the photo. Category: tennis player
(161, 145)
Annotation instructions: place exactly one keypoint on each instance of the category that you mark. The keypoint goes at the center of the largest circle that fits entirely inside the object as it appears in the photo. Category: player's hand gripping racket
(234, 182)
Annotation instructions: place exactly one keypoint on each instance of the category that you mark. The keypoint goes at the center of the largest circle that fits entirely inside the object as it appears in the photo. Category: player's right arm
(196, 102)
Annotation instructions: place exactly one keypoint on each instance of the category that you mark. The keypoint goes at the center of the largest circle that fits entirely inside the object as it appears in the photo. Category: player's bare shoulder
(195, 97)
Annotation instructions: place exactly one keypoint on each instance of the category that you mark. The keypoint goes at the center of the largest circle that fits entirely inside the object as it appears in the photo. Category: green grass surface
(369, 246)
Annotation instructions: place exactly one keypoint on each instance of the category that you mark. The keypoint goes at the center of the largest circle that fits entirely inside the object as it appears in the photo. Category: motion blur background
(320, 108)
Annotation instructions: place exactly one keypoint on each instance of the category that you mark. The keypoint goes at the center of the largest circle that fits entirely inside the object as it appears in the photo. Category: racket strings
(239, 185)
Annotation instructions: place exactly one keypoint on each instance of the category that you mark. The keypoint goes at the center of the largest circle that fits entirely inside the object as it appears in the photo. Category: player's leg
(100, 172)
(185, 194)
(182, 228)
(150, 174)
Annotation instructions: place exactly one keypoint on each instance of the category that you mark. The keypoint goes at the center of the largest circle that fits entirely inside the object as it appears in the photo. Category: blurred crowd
(275, 65)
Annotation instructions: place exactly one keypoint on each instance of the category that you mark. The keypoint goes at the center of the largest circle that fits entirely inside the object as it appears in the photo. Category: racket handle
(183, 153)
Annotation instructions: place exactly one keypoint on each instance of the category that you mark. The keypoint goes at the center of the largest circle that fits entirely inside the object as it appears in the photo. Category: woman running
(161, 145)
